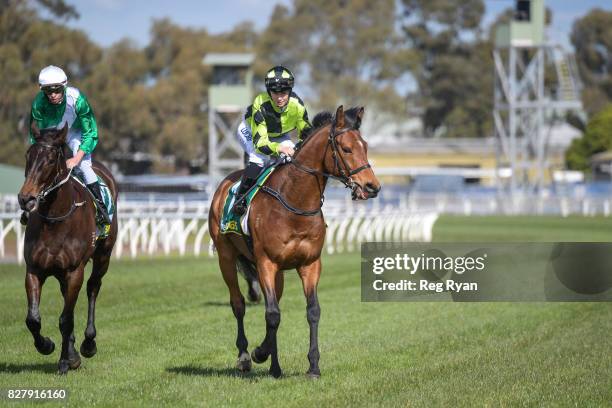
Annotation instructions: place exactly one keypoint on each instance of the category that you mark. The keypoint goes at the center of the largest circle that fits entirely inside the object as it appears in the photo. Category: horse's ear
(360, 113)
(35, 130)
(61, 135)
(339, 118)
(358, 118)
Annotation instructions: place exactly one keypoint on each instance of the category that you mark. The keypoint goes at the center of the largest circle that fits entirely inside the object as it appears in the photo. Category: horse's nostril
(26, 202)
(29, 206)
(371, 188)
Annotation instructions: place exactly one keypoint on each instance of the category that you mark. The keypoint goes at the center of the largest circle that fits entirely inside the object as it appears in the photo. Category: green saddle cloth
(102, 231)
(230, 222)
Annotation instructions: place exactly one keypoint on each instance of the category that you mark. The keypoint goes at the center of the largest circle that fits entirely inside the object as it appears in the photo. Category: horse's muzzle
(27, 202)
(365, 192)
(371, 190)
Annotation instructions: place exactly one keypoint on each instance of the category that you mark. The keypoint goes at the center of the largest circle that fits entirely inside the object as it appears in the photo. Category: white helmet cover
(52, 75)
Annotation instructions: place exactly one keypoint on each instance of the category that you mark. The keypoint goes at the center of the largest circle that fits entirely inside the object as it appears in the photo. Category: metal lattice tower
(228, 96)
(529, 95)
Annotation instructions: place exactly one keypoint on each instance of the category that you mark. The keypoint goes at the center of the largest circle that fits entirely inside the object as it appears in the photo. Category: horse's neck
(300, 188)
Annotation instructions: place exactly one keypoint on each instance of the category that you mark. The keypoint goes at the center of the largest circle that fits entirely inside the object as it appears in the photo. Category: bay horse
(60, 239)
(288, 230)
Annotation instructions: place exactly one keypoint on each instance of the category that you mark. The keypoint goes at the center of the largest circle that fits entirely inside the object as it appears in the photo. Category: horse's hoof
(275, 372)
(259, 356)
(88, 348)
(47, 347)
(63, 367)
(244, 363)
(313, 374)
(75, 362)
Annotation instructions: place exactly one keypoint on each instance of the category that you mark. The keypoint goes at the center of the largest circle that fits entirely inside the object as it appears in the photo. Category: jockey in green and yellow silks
(264, 133)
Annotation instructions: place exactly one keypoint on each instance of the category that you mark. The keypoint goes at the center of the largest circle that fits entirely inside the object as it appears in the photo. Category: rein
(46, 191)
(344, 171)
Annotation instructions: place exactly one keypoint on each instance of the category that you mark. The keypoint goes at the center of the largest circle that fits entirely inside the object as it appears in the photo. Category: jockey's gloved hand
(285, 149)
(283, 158)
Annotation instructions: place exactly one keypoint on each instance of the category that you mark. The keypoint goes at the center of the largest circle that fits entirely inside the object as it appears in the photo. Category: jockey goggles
(52, 89)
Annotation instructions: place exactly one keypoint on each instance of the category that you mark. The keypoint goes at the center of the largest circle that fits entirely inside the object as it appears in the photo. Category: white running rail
(179, 232)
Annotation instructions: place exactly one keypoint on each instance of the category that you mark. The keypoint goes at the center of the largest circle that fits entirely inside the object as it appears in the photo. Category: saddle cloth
(230, 222)
(101, 230)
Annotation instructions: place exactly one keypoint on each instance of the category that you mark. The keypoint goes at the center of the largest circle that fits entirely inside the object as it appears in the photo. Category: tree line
(429, 58)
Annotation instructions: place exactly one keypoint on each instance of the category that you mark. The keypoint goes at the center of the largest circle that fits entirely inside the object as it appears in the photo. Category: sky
(107, 21)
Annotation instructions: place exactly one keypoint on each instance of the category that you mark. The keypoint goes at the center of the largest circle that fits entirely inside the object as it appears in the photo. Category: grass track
(166, 336)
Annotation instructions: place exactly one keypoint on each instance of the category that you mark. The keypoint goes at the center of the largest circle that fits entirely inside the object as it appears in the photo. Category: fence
(182, 228)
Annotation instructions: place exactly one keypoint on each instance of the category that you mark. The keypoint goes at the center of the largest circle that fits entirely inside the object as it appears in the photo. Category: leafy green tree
(28, 43)
(453, 68)
(592, 38)
(347, 49)
(597, 138)
(178, 87)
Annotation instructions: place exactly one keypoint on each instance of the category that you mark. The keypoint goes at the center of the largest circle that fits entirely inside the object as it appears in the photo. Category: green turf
(450, 228)
(166, 337)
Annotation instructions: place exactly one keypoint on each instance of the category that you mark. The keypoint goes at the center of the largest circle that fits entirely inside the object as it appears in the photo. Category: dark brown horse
(288, 229)
(60, 239)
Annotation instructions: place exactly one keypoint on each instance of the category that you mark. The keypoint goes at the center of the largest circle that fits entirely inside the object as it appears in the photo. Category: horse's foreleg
(70, 285)
(33, 284)
(310, 278)
(267, 277)
(94, 283)
(227, 263)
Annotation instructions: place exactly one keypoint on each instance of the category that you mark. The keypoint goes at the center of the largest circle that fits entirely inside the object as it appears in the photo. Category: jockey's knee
(90, 175)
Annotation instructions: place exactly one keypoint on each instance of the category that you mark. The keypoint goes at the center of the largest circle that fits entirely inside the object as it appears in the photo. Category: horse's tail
(249, 271)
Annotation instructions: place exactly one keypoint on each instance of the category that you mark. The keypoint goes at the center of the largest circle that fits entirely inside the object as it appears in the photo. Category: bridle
(40, 197)
(341, 167)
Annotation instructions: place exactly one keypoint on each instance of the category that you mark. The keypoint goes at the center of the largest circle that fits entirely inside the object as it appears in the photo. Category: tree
(347, 50)
(597, 138)
(453, 68)
(592, 38)
(28, 43)
(179, 84)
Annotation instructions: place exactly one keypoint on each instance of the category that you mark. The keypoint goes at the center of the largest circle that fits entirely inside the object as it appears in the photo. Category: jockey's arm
(74, 161)
(35, 116)
(303, 125)
(89, 127)
(261, 140)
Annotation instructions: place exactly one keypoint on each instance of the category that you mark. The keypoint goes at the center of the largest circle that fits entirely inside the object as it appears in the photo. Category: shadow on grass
(25, 368)
(224, 372)
(227, 304)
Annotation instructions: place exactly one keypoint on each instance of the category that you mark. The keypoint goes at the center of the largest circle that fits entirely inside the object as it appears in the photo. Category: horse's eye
(346, 150)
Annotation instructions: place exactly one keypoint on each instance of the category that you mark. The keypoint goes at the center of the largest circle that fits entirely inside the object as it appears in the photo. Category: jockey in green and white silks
(264, 133)
(57, 104)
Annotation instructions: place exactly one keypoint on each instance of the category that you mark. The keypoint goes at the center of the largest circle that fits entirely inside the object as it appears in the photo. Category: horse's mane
(325, 118)
(322, 119)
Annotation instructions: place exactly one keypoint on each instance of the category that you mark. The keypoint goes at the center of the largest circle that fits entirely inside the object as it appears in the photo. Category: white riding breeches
(74, 141)
(245, 138)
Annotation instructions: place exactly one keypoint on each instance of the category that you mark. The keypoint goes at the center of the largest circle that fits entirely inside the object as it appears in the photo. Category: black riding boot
(102, 211)
(248, 179)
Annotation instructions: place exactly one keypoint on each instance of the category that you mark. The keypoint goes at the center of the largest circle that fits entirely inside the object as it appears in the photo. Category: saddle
(102, 230)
